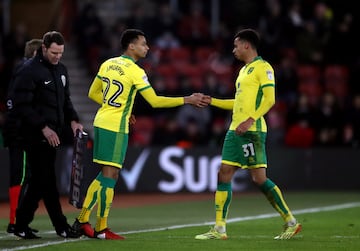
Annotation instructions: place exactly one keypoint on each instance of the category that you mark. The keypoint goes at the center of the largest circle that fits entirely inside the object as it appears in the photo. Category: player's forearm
(263, 109)
(266, 104)
(161, 101)
(226, 104)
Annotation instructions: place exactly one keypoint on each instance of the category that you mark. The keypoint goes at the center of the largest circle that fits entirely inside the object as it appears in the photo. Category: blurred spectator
(185, 85)
(199, 119)
(311, 41)
(287, 80)
(342, 36)
(309, 45)
(194, 27)
(112, 46)
(217, 133)
(212, 86)
(13, 49)
(200, 116)
(215, 88)
(351, 132)
(301, 111)
(223, 39)
(276, 123)
(271, 30)
(166, 131)
(166, 21)
(301, 119)
(88, 31)
(329, 119)
(167, 41)
(164, 86)
(191, 134)
(140, 19)
(323, 21)
(293, 23)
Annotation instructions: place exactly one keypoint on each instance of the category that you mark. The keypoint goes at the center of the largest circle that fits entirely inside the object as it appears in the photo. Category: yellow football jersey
(249, 96)
(115, 87)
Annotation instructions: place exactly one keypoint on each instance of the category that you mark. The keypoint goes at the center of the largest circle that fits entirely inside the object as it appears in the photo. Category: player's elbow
(271, 103)
(95, 98)
(92, 97)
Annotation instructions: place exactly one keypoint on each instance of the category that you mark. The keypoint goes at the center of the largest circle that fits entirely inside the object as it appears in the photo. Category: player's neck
(131, 55)
(251, 57)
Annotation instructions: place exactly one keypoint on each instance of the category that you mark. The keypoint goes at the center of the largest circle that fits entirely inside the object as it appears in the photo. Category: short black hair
(53, 37)
(249, 35)
(128, 36)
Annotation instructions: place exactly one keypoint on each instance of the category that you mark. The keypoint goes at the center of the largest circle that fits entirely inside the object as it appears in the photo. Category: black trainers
(67, 232)
(11, 229)
(26, 233)
(83, 228)
(33, 230)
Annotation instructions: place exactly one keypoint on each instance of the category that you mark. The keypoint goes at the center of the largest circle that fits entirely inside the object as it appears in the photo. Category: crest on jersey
(63, 80)
(145, 78)
(270, 75)
(250, 70)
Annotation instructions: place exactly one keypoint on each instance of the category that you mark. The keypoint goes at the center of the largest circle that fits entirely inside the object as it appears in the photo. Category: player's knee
(226, 173)
(258, 180)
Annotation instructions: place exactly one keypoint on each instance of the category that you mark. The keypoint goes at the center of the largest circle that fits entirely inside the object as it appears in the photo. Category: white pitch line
(238, 219)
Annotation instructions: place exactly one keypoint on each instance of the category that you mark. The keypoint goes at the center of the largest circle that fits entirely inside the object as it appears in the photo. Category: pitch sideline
(237, 219)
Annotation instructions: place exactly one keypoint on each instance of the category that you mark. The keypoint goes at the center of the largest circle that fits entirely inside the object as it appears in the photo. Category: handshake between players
(198, 100)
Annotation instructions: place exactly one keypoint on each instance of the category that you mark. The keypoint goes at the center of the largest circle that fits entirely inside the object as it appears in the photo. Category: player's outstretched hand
(198, 100)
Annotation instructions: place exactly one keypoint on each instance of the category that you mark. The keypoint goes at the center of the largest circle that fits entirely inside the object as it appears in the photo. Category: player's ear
(246, 44)
(131, 46)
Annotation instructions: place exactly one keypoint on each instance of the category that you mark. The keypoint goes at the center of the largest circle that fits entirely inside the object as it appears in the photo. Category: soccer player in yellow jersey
(244, 144)
(114, 88)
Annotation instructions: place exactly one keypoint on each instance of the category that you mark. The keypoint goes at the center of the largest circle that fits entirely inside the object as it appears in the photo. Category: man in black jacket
(13, 140)
(42, 98)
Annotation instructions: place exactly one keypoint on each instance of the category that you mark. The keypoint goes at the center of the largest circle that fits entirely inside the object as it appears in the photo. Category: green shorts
(245, 151)
(109, 147)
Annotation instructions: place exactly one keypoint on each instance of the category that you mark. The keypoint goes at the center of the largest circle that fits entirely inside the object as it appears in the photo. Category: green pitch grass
(331, 221)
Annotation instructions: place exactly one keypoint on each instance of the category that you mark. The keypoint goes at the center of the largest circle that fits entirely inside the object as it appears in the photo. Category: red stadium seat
(336, 79)
(142, 131)
(308, 73)
(310, 81)
(166, 70)
(203, 54)
(179, 54)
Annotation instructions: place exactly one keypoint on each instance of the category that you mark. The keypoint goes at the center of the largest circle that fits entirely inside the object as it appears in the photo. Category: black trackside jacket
(41, 97)
(12, 123)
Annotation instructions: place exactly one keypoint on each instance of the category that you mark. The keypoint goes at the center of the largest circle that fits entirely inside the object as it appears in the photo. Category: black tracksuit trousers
(41, 185)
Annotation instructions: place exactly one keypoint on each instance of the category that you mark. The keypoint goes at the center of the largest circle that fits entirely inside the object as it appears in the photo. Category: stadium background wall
(172, 170)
